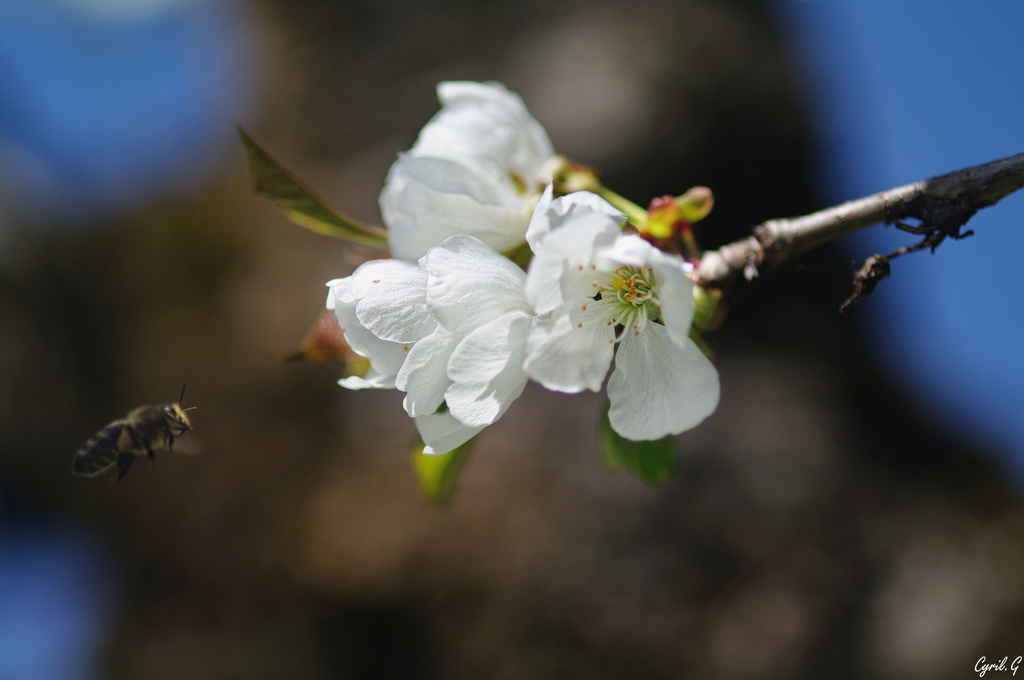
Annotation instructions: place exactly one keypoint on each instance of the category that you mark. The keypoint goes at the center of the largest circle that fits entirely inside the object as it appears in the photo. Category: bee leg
(152, 458)
(124, 461)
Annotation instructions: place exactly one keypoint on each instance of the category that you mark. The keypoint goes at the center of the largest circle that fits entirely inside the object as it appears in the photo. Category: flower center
(634, 301)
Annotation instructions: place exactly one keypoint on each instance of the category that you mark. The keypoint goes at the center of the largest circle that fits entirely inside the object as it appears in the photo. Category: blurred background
(852, 510)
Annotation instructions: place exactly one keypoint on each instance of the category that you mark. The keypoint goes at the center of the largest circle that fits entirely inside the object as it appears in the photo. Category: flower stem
(637, 215)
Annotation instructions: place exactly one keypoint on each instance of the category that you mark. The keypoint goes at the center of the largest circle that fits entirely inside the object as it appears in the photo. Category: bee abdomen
(100, 452)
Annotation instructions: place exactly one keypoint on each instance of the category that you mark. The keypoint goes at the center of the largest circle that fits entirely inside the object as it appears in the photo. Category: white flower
(451, 329)
(382, 308)
(599, 288)
(475, 169)
(479, 296)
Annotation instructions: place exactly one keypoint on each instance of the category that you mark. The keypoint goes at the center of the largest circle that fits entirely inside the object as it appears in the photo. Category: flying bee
(134, 436)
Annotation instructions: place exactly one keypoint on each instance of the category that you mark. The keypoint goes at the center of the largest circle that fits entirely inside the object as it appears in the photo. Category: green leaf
(438, 474)
(273, 181)
(652, 462)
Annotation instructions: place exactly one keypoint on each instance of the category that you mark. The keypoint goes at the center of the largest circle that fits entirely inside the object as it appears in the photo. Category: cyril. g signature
(1005, 664)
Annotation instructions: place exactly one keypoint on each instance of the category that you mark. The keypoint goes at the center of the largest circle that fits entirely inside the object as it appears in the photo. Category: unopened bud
(663, 218)
(696, 203)
(671, 216)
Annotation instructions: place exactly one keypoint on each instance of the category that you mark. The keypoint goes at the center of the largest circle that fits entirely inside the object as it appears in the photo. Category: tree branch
(942, 204)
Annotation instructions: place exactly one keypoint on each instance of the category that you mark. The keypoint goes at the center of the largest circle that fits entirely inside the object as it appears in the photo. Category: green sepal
(709, 308)
(652, 462)
(273, 181)
(439, 474)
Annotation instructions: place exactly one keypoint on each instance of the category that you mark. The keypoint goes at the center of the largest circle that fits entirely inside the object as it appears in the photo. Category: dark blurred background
(830, 520)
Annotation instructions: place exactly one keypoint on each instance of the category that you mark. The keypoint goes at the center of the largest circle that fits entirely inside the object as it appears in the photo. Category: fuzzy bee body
(137, 434)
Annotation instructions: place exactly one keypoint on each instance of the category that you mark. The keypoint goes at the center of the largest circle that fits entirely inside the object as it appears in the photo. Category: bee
(136, 435)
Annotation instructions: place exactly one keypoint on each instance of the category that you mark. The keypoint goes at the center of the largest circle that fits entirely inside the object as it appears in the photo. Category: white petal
(385, 357)
(486, 370)
(571, 352)
(391, 300)
(675, 292)
(355, 382)
(658, 387)
(447, 176)
(488, 124)
(458, 177)
(630, 249)
(424, 376)
(568, 249)
(551, 214)
(441, 433)
(421, 211)
(540, 220)
(373, 379)
(469, 284)
(339, 290)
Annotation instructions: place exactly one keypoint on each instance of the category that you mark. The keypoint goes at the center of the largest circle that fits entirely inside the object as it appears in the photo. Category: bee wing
(190, 446)
(99, 453)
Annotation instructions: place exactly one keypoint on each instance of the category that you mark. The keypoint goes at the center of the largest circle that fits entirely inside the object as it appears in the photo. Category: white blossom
(450, 329)
(605, 294)
(477, 168)
(479, 295)
(385, 357)
(460, 329)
